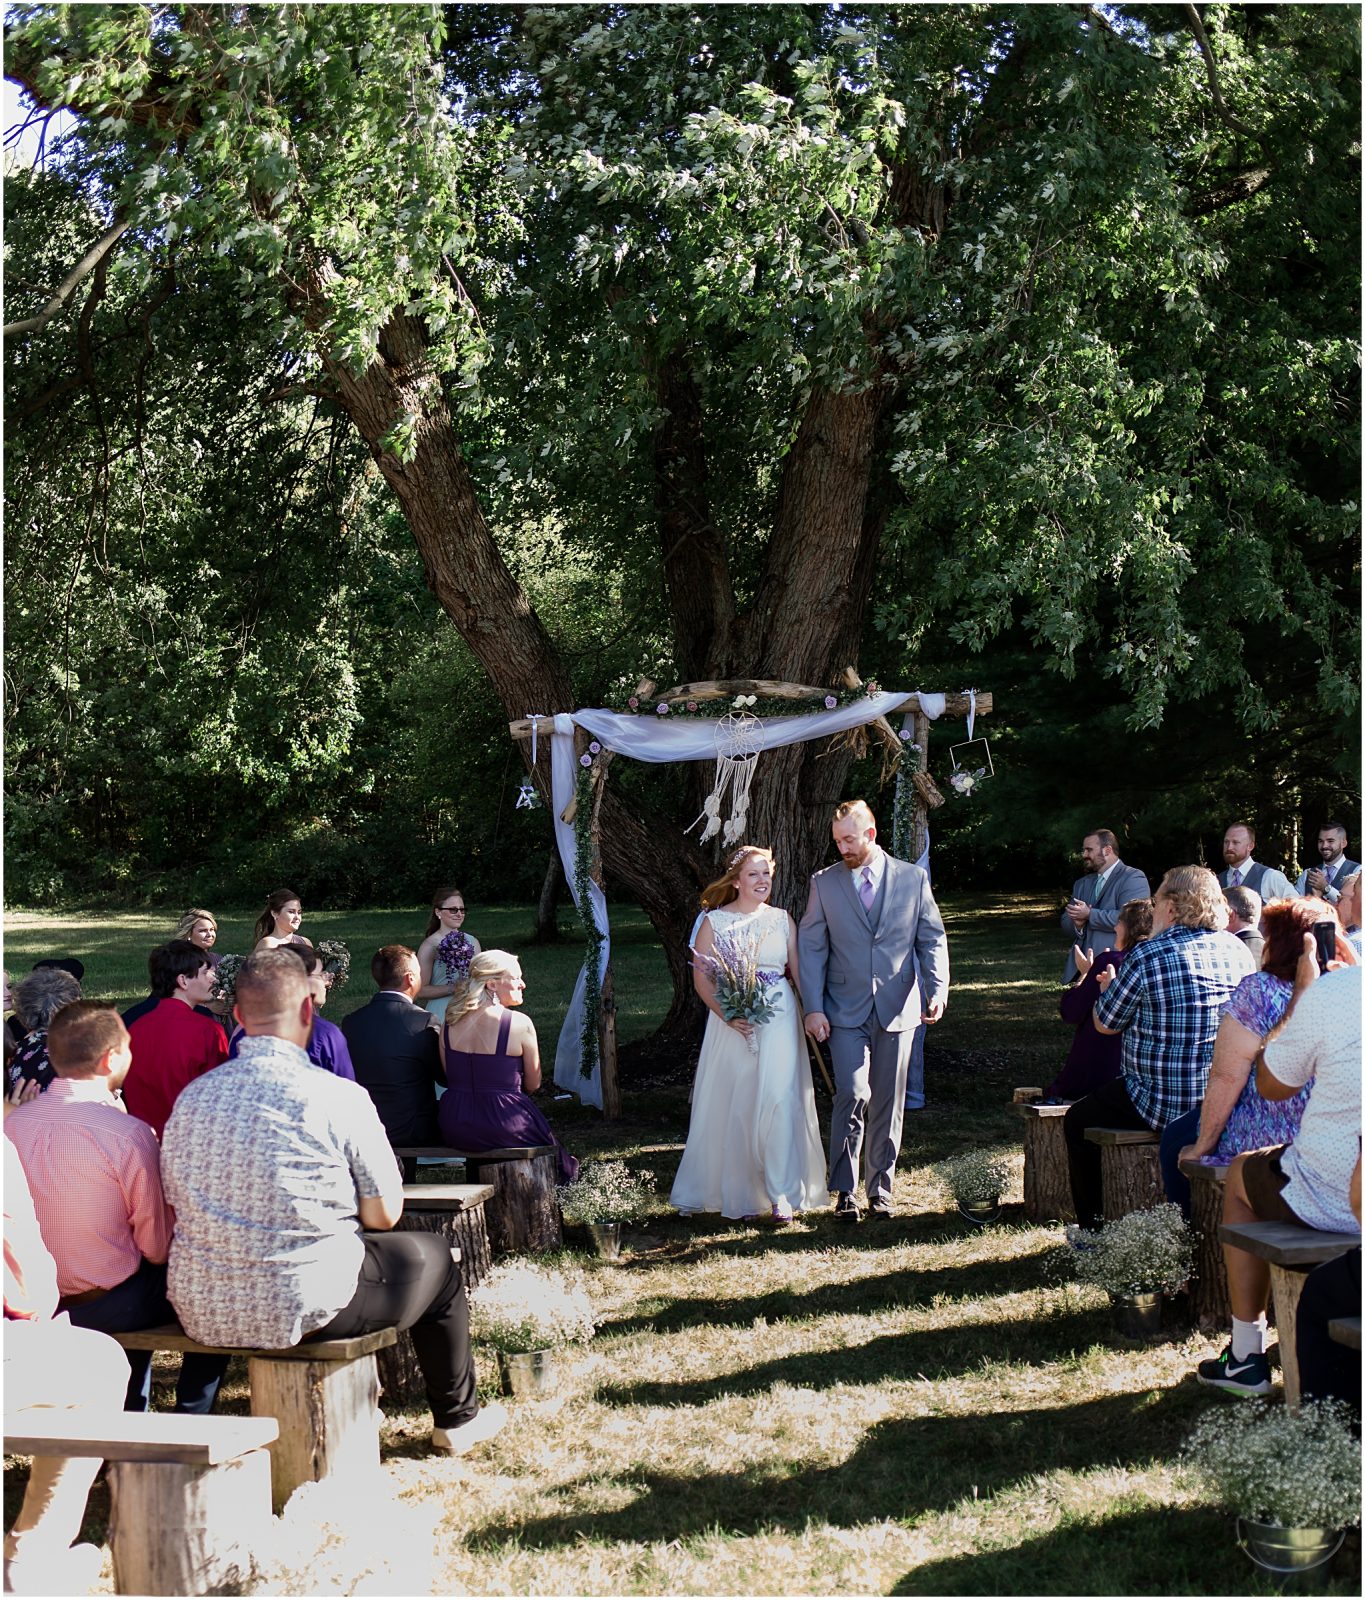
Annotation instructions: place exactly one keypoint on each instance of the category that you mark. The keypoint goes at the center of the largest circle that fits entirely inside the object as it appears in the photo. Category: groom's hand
(817, 1025)
(934, 1010)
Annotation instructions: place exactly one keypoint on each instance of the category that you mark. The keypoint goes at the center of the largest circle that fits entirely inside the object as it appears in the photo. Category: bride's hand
(744, 1029)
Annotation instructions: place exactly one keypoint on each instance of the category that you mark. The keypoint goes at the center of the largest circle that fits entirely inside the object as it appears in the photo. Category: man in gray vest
(1325, 881)
(869, 920)
(1238, 843)
(1092, 913)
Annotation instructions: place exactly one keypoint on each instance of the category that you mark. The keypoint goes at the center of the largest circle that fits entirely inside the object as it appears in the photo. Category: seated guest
(396, 1049)
(213, 1008)
(1166, 1001)
(327, 1046)
(492, 1063)
(285, 1191)
(175, 1043)
(95, 1176)
(1328, 1370)
(1233, 1116)
(38, 998)
(1244, 919)
(1307, 1182)
(50, 1366)
(1094, 1057)
(1348, 909)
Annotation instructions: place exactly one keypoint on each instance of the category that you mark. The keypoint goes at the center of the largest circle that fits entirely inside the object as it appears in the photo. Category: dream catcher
(739, 741)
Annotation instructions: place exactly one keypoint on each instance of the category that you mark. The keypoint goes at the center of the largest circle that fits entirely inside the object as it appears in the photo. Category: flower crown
(745, 850)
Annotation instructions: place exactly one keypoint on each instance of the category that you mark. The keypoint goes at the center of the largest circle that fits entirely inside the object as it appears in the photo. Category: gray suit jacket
(1123, 884)
(855, 962)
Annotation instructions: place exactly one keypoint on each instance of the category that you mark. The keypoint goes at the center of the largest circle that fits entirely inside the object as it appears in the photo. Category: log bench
(190, 1495)
(1345, 1330)
(1211, 1308)
(455, 1211)
(1291, 1252)
(523, 1213)
(1047, 1172)
(323, 1392)
(1130, 1170)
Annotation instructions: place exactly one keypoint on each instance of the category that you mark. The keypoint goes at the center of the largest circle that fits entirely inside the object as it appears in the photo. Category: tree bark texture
(1047, 1171)
(1130, 1178)
(1210, 1306)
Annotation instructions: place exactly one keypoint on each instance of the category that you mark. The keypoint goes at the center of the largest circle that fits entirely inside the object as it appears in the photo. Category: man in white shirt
(1241, 870)
(1307, 1182)
(1325, 881)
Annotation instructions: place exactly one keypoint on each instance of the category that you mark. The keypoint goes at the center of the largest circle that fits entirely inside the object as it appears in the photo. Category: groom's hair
(859, 810)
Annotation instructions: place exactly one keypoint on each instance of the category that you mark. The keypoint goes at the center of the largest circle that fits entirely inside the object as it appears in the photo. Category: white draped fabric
(646, 736)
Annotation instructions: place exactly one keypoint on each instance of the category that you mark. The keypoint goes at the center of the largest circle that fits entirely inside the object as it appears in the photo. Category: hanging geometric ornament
(970, 768)
(528, 797)
(738, 740)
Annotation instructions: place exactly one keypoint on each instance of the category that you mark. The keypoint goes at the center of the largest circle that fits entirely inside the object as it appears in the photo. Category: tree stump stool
(523, 1211)
(1130, 1170)
(455, 1211)
(1209, 1303)
(1345, 1330)
(1047, 1172)
(1291, 1252)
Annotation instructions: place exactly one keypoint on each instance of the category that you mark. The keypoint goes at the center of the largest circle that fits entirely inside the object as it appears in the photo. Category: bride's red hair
(723, 890)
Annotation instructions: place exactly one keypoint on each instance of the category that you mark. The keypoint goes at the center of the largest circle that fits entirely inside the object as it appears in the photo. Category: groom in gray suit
(867, 922)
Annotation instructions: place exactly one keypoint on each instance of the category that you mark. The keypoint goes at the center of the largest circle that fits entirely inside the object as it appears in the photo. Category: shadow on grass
(903, 1470)
(929, 1353)
(1154, 1550)
(900, 1289)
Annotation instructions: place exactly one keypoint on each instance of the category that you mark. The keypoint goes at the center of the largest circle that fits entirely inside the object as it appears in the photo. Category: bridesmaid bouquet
(741, 985)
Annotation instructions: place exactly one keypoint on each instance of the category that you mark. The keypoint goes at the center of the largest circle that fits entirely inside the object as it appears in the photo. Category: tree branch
(1211, 67)
(94, 257)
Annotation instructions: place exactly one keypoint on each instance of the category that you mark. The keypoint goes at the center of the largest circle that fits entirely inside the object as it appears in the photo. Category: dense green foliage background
(1119, 479)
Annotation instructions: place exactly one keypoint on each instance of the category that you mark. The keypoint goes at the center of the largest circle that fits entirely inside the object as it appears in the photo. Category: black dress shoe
(846, 1209)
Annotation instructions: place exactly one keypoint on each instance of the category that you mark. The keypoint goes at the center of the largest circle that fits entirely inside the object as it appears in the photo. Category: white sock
(1248, 1338)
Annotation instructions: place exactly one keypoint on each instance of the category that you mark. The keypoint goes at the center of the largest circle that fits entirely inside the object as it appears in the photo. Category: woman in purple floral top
(447, 947)
(1234, 1115)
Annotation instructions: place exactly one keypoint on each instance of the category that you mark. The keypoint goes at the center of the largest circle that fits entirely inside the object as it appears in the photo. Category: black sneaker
(1250, 1376)
(880, 1209)
(846, 1209)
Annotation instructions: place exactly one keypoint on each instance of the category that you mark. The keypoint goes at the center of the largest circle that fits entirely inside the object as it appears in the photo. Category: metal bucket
(1283, 1550)
(1137, 1316)
(529, 1375)
(979, 1212)
(606, 1238)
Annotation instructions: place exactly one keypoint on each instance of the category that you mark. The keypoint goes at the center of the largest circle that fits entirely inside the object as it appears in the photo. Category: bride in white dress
(753, 1146)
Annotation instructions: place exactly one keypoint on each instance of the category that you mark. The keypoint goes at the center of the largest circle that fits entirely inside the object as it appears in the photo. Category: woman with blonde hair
(492, 1065)
(753, 1146)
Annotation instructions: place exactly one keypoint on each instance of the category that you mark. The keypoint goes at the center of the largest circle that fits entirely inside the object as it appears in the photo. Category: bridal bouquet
(741, 986)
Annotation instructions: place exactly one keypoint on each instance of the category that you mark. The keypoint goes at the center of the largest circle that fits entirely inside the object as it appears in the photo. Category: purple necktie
(865, 890)
(1235, 878)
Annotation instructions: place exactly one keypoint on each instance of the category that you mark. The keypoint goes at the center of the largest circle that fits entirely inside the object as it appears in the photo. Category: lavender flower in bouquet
(743, 989)
(456, 951)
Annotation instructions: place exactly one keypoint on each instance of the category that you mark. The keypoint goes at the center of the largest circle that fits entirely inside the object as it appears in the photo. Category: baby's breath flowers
(607, 1191)
(1269, 1464)
(520, 1306)
(973, 1178)
(1146, 1252)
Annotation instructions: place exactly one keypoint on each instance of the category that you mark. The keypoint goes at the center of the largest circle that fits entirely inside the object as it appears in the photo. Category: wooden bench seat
(1345, 1330)
(1209, 1303)
(1130, 1170)
(190, 1495)
(324, 1393)
(1291, 1252)
(523, 1212)
(1047, 1171)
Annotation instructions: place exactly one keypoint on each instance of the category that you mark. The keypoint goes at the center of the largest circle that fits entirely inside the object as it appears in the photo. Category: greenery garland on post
(903, 816)
(582, 874)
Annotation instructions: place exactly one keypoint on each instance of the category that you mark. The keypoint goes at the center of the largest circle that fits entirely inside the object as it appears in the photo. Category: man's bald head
(273, 996)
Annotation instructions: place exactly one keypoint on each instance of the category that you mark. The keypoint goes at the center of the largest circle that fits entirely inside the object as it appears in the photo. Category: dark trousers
(1105, 1107)
(1174, 1137)
(140, 1302)
(1328, 1370)
(412, 1282)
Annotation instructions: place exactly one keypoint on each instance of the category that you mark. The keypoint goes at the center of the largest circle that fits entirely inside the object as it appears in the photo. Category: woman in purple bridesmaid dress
(492, 1063)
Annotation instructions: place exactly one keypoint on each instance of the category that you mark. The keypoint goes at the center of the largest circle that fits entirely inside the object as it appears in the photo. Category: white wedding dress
(753, 1142)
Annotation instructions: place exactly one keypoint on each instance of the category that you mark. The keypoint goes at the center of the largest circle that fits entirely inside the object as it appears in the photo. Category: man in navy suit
(1092, 913)
(396, 1049)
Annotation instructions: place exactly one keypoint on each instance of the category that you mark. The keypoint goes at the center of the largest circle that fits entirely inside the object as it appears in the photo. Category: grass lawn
(911, 1408)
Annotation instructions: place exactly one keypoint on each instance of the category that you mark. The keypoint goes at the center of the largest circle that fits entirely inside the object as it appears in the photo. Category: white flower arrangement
(607, 1191)
(973, 1178)
(521, 1306)
(1146, 1252)
(1269, 1464)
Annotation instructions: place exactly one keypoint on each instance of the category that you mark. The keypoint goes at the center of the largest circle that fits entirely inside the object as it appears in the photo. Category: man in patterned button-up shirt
(285, 1192)
(1167, 1002)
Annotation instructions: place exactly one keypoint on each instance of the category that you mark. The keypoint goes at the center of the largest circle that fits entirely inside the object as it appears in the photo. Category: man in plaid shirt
(1167, 1002)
